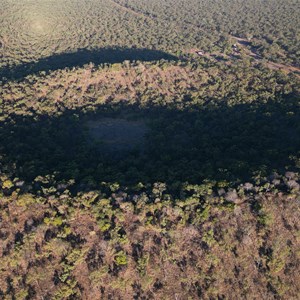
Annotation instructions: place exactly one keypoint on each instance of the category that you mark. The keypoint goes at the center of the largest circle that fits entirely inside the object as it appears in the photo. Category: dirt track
(272, 65)
(128, 9)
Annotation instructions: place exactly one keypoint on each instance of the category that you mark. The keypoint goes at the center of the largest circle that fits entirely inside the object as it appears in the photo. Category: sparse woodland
(208, 208)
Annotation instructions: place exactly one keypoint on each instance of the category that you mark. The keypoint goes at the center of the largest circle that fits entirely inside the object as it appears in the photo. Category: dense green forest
(30, 30)
(149, 149)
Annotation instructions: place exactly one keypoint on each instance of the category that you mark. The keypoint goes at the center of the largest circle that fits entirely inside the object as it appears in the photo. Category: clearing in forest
(117, 134)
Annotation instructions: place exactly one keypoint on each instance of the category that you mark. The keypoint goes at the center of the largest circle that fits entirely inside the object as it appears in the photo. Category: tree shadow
(224, 143)
(81, 58)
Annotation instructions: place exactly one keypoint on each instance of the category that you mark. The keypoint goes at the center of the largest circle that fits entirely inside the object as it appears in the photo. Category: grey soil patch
(116, 134)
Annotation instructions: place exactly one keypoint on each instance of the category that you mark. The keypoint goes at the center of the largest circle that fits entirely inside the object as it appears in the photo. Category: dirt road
(243, 43)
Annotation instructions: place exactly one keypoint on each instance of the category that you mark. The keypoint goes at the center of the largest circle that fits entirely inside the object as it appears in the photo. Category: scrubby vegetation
(204, 205)
(211, 241)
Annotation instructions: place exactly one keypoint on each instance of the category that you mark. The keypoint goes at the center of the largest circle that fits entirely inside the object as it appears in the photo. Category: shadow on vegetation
(81, 58)
(227, 143)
